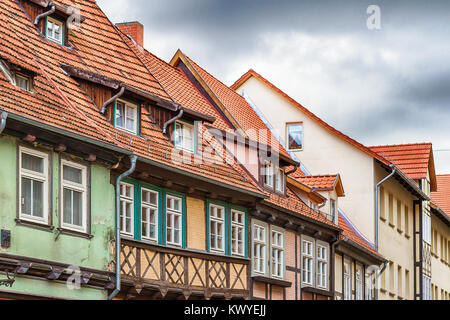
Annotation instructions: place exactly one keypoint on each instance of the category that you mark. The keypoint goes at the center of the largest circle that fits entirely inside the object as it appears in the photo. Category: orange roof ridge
(402, 144)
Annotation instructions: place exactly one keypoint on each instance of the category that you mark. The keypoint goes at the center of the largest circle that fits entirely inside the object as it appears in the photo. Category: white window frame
(259, 243)
(182, 127)
(347, 290)
(150, 206)
(277, 263)
(279, 180)
(218, 221)
(309, 268)
(268, 173)
(359, 286)
(36, 176)
(123, 200)
(368, 286)
(81, 188)
(61, 25)
(127, 105)
(287, 135)
(27, 79)
(322, 265)
(172, 213)
(239, 228)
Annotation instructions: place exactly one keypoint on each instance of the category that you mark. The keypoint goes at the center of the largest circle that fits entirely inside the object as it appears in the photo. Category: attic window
(54, 30)
(23, 81)
(126, 116)
(184, 136)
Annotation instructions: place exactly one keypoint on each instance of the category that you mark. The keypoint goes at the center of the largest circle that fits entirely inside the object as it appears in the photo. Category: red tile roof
(442, 196)
(319, 182)
(339, 134)
(350, 233)
(59, 100)
(240, 110)
(413, 159)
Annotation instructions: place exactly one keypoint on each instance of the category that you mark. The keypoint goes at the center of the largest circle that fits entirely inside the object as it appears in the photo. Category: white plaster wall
(323, 153)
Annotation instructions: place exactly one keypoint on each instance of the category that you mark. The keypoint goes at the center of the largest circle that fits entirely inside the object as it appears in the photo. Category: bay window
(322, 266)
(277, 253)
(33, 186)
(237, 232)
(74, 197)
(217, 228)
(174, 220)
(307, 262)
(259, 248)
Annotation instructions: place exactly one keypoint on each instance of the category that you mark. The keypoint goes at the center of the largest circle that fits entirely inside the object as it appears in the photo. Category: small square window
(184, 136)
(23, 81)
(295, 136)
(54, 30)
(126, 116)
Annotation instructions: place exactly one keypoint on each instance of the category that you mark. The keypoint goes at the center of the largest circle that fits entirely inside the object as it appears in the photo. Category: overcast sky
(379, 86)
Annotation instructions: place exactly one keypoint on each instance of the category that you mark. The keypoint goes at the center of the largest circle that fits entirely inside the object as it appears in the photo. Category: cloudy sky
(379, 86)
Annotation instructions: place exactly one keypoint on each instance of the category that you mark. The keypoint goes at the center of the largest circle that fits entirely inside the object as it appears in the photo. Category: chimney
(133, 29)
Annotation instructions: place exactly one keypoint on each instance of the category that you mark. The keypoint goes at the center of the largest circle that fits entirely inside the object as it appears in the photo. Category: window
(279, 180)
(259, 248)
(399, 281)
(174, 220)
(407, 284)
(184, 136)
(426, 227)
(149, 214)
(333, 210)
(369, 286)
(359, 284)
(391, 210)
(237, 232)
(55, 30)
(391, 277)
(347, 282)
(74, 204)
(407, 221)
(427, 288)
(126, 116)
(217, 228)
(399, 216)
(277, 248)
(33, 188)
(307, 262)
(127, 209)
(322, 267)
(295, 136)
(23, 81)
(268, 174)
(382, 205)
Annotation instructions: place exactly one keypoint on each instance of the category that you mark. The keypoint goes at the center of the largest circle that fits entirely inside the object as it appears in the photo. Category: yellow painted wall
(196, 224)
(440, 262)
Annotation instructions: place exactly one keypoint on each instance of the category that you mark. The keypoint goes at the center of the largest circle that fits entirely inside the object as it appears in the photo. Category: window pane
(67, 206)
(32, 163)
(38, 203)
(26, 196)
(295, 136)
(120, 114)
(77, 208)
(73, 174)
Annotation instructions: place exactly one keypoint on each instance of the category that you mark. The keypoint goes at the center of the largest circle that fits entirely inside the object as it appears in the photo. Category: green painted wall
(26, 241)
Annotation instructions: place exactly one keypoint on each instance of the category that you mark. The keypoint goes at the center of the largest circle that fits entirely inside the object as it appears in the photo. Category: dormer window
(184, 134)
(54, 30)
(268, 174)
(126, 116)
(23, 81)
(279, 180)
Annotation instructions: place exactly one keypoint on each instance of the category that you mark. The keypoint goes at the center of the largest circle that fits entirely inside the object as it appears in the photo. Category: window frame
(241, 227)
(264, 243)
(173, 212)
(279, 175)
(150, 206)
(45, 178)
(194, 135)
(268, 164)
(127, 104)
(359, 283)
(289, 124)
(27, 78)
(324, 261)
(55, 21)
(280, 249)
(347, 281)
(82, 188)
(311, 258)
(218, 221)
(133, 211)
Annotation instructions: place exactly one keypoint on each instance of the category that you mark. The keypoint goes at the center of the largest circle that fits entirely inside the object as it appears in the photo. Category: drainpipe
(43, 15)
(3, 121)
(377, 200)
(292, 171)
(117, 96)
(173, 119)
(133, 159)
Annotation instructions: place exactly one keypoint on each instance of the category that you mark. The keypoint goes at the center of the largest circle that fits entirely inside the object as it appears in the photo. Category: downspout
(178, 116)
(43, 15)
(133, 159)
(117, 96)
(3, 118)
(292, 171)
(377, 200)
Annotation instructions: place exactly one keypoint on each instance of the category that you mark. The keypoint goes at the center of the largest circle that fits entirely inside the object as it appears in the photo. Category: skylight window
(54, 30)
